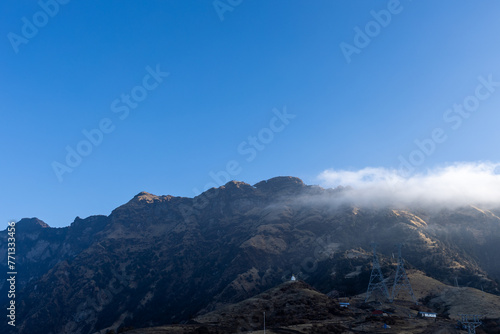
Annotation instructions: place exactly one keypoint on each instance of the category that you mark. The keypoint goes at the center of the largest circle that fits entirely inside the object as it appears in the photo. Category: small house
(344, 304)
(427, 315)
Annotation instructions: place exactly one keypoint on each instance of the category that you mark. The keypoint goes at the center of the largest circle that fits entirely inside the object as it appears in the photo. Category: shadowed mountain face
(163, 259)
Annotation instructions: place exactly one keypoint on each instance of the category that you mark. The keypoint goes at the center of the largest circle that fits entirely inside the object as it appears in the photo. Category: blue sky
(232, 70)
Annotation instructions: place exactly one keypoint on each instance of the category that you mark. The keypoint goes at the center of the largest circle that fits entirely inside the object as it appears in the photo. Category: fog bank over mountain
(458, 184)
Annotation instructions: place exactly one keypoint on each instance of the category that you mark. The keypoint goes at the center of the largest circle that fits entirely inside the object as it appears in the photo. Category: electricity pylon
(376, 274)
(401, 280)
(471, 321)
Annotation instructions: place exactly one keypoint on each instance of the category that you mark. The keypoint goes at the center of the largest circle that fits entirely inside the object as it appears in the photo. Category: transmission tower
(375, 276)
(401, 280)
(471, 321)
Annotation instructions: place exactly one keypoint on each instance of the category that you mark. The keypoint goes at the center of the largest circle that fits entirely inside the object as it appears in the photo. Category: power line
(264, 322)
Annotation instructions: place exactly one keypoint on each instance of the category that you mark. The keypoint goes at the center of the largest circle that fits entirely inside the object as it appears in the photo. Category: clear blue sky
(225, 78)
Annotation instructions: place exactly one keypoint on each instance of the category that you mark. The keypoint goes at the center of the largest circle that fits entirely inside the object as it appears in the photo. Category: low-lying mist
(459, 184)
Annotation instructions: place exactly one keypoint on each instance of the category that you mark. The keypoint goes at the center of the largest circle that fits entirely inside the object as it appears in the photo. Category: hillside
(296, 307)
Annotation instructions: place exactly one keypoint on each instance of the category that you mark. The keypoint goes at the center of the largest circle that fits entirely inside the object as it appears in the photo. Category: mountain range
(163, 260)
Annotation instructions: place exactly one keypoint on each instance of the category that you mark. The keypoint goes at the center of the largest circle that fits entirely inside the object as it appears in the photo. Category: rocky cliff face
(164, 259)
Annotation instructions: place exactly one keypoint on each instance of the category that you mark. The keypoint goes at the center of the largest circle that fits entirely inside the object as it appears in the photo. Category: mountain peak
(281, 183)
(235, 184)
(31, 224)
(145, 196)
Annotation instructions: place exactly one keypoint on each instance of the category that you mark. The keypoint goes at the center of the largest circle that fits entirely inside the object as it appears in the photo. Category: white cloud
(457, 184)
